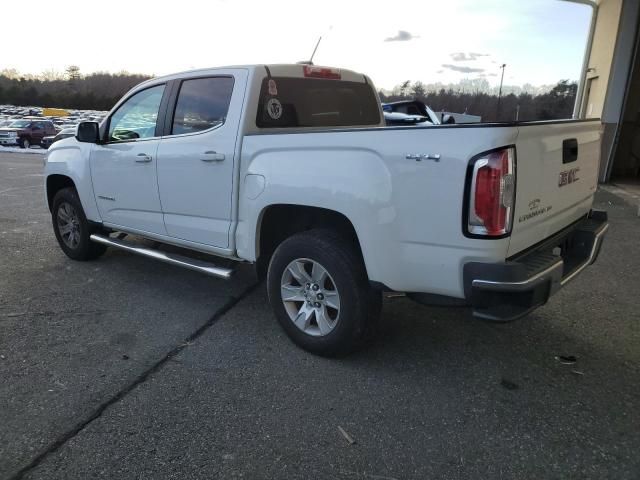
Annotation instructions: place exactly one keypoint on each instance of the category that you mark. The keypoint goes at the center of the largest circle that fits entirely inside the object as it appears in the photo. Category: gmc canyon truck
(290, 168)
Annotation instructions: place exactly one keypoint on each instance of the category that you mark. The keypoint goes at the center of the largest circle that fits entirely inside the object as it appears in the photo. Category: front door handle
(143, 158)
(211, 156)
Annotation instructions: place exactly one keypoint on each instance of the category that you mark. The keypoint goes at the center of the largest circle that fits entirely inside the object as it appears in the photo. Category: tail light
(492, 193)
(322, 72)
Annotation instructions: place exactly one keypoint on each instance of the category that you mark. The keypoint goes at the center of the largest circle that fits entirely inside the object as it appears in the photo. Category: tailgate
(557, 176)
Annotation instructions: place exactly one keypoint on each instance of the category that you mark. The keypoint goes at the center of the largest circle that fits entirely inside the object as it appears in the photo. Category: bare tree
(404, 87)
(418, 90)
(73, 73)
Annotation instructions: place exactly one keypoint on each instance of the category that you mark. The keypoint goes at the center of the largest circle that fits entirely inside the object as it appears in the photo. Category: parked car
(290, 168)
(396, 119)
(413, 112)
(64, 133)
(26, 132)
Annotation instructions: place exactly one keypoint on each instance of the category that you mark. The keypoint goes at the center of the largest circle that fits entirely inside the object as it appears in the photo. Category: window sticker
(273, 88)
(274, 108)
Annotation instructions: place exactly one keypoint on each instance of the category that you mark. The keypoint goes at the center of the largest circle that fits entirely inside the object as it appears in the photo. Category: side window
(136, 118)
(202, 104)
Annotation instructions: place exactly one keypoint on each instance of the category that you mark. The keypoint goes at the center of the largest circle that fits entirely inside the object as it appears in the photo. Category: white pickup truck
(291, 168)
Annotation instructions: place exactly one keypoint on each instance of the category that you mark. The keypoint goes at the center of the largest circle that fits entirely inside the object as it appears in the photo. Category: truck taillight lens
(492, 193)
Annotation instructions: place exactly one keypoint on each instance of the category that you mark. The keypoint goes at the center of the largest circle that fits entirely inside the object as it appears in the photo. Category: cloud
(467, 57)
(457, 68)
(402, 36)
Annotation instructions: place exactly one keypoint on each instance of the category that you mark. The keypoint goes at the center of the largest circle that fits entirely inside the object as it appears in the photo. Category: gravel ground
(125, 368)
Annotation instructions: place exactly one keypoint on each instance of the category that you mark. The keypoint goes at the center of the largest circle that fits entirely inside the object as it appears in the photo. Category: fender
(70, 158)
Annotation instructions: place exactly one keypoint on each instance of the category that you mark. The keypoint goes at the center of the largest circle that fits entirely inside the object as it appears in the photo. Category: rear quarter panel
(407, 214)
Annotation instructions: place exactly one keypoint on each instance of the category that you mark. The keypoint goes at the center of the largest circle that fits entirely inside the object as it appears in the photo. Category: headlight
(13, 134)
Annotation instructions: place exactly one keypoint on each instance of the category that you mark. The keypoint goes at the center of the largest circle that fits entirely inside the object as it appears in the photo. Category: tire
(67, 213)
(24, 142)
(321, 328)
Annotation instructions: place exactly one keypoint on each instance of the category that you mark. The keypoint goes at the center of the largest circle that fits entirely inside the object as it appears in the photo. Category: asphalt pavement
(128, 368)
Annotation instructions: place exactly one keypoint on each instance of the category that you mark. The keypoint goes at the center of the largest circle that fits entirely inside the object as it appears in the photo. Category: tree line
(95, 91)
(556, 102)
(100, 91)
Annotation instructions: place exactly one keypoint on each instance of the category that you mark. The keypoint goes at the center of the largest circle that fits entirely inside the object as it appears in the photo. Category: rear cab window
(203, 103)
(289, 102)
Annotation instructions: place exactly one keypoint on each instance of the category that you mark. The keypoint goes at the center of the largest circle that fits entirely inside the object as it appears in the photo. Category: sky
(541, 41)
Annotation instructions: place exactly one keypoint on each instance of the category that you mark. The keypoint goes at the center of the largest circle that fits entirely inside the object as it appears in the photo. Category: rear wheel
(24, 142)
(71, 227)
(319, 291)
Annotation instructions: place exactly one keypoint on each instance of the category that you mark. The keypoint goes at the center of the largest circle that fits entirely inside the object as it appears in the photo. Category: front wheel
(72, 228)
(319, 291)
(24, 143)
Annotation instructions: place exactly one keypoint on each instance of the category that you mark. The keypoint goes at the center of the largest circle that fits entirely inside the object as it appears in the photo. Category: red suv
(26, 132)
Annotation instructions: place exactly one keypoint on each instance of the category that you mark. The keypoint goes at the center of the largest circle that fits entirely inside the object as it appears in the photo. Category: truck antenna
(314, 50)
(310, 61)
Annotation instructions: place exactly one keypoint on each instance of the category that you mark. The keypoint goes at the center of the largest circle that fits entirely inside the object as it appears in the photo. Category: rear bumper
(509, 290)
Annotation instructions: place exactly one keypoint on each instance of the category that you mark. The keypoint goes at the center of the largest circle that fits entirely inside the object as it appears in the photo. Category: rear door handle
(143, 158)
(211, 156)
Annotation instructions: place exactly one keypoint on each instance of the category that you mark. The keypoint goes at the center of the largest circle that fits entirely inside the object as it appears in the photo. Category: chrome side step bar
(171, 258)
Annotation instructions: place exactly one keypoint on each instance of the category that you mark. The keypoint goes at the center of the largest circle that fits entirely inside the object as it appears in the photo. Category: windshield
(20, 124)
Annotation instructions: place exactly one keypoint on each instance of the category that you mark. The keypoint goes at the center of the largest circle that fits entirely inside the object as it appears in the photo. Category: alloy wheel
(310, 297)
(68, 225)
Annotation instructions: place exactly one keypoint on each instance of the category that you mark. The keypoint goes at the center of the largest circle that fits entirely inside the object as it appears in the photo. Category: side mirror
(448, 119)
(88, 132)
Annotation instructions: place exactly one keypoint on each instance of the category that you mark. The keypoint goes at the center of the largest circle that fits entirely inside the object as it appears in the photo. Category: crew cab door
(196, 156)
(123, 169)
(37, 132)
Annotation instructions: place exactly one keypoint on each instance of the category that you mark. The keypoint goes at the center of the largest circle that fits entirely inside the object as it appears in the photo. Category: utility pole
(500, 92)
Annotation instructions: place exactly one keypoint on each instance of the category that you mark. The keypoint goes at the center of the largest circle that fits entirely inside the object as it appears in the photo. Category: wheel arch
(277, 222)
(54, 184)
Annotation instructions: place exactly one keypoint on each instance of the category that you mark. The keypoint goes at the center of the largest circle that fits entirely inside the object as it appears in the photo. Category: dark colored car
(26, 132)
(64, 133)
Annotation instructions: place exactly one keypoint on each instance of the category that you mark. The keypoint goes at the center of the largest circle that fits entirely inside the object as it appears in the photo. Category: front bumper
(8, 140)
(509, 290)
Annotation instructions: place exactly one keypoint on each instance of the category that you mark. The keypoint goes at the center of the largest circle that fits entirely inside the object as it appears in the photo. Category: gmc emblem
(568, 176)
